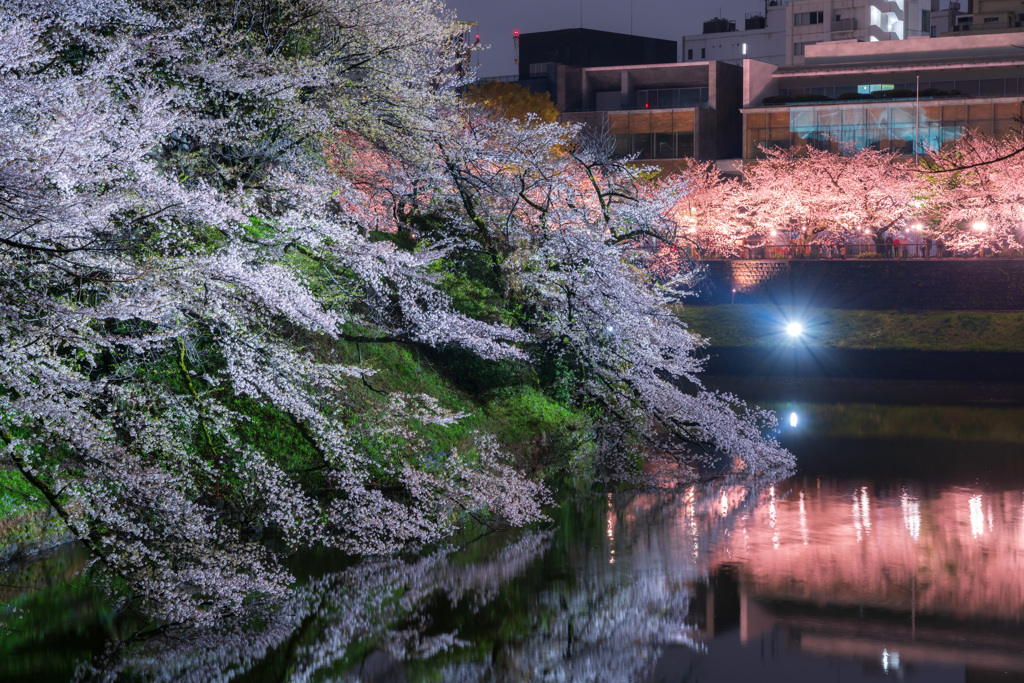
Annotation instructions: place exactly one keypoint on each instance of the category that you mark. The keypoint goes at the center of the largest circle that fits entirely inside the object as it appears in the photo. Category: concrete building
(945, 19)
(781, 34)
(541, 53)
(661, 112)
(865, 94)
(988, 16)
(763, 37)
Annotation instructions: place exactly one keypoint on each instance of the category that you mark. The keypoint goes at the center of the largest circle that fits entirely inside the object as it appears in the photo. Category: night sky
(655, 18)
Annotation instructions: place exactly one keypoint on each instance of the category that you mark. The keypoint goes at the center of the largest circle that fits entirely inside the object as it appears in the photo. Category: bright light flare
(794, 329)
(980, 225)
(793, 419)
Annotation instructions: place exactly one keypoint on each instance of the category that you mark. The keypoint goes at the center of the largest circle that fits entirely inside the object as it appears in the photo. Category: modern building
(660, 112)
(541, 53)
(781, 33)
(908, 96)
(988, 16)
(944, 20)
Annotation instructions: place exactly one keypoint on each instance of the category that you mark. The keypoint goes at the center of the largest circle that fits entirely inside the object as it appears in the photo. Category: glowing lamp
(793, 419)
(980, 225)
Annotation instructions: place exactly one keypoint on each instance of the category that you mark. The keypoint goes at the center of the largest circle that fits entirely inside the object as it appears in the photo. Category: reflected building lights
(865, 508)
(977, 516)
(856, 518)
(861, 512)
(803, 519)
(911, 514)
(773, 518)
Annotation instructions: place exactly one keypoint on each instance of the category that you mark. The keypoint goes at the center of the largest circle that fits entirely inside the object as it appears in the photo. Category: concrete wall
(940, 285)
(726, 86)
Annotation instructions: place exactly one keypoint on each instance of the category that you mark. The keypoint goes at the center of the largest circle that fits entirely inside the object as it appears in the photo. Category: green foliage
(545, 434)
(512, 101)
(476, 299)
(269, 430)
(17, 495)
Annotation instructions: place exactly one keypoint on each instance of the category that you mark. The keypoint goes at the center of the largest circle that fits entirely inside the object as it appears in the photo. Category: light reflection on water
(797, 579)
(851, 570)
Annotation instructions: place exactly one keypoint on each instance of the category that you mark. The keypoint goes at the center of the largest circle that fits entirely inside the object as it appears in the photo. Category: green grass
(501, 398)
(763, 325)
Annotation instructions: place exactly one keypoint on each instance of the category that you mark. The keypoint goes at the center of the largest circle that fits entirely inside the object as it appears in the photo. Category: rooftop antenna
(515, 44)
(581, 13)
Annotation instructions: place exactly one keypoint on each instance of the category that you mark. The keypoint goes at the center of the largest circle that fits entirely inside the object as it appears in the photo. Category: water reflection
(800, 578)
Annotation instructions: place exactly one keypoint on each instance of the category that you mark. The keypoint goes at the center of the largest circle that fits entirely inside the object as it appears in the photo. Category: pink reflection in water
(957, 551)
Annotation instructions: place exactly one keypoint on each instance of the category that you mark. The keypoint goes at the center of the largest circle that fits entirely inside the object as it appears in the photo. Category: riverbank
(764, 326)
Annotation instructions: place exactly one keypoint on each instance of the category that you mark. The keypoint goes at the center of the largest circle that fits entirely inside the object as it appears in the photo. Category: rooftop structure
(781, 33)
(542, 52)
(908, 96)
(989, 16)
(660, 112)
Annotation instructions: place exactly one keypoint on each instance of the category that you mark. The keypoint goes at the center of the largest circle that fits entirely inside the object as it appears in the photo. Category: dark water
(895, 552)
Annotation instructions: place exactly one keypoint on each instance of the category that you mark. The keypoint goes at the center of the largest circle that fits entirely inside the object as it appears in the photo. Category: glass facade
(973, 87)
(672, 98)
(879, 125)
(654, 135)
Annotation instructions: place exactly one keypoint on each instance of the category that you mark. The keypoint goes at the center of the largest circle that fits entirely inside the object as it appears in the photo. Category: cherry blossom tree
(819, 197)
(177, 237)
(561, 219)
(162, 205)
(974, 196)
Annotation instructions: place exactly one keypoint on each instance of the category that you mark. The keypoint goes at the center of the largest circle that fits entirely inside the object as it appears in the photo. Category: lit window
(744, 48)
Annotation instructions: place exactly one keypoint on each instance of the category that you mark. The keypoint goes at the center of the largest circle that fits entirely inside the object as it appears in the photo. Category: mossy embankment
(545, 437)
(763, 325)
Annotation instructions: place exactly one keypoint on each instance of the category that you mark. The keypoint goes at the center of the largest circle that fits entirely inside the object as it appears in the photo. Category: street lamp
(981, 226)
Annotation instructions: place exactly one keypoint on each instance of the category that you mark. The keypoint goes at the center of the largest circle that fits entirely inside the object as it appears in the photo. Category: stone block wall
(920, 284)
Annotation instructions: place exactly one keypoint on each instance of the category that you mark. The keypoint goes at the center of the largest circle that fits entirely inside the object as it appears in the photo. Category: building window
(808, 18)
(702, 53)
(689, 55)
(744, 50)
(798, 48)
(539, 69)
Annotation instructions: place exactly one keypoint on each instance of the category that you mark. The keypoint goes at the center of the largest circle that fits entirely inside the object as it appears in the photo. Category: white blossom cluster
(569, 222)
(162, 201)
(328, 616)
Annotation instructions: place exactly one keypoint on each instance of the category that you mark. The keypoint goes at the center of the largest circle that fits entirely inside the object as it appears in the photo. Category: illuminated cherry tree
(178, 234)
(975, 193)
(817, 197)
(162, 205)
(563, 220)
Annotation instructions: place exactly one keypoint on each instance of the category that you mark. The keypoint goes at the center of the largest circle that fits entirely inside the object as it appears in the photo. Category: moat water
(894, 552)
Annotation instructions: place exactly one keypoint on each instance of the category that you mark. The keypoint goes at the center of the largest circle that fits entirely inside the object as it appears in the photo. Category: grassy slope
(545, 438)
(762, 325)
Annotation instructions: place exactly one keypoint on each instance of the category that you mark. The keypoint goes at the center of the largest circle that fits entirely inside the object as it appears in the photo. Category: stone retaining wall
(920, 284)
